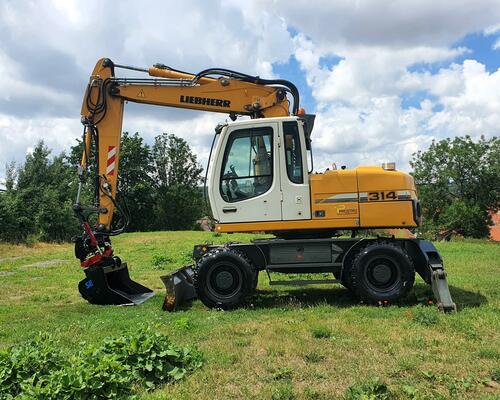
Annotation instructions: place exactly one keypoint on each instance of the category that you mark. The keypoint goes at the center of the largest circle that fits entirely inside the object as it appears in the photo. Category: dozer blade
(180, 288)
(112, 285)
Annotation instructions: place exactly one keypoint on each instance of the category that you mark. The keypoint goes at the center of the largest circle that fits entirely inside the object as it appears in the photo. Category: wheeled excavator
(259, 179)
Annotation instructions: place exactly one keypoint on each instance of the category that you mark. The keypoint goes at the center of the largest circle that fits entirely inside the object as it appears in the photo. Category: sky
(384, 78)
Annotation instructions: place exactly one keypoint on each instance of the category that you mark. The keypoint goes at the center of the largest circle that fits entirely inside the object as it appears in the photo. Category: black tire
(380, 272)
(224, 278)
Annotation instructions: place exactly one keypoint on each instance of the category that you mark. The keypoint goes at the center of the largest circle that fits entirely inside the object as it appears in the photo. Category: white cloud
(377, 125)
(19, 135)
(361, 113)
(396, 24)
(45, 68)
(496, 45)
(491, 30)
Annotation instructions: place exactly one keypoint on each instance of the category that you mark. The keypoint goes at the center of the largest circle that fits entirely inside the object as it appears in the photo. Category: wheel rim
(382, 273)
(224, 280)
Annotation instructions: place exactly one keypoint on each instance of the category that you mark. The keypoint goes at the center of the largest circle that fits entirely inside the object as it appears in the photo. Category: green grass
(289, 343)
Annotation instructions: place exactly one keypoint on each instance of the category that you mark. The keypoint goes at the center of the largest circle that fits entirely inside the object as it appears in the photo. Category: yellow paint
(378, 179)
(241, 95)
(327, 190)
(331, 183)
(387, 214)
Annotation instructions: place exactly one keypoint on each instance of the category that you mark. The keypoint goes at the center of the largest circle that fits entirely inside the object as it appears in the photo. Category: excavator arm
(212, 90)
(103, 106)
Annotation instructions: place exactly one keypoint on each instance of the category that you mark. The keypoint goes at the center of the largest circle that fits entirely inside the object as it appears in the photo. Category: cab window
(247, 167)
(293, 155)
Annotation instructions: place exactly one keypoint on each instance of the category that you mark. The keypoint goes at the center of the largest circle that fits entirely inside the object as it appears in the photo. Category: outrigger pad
(431, 269)
(112, 285)
(439, 285)
(180, 287)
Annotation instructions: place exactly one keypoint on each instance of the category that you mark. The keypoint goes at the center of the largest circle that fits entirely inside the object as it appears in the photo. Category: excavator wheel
(224, 278)
(381, 272)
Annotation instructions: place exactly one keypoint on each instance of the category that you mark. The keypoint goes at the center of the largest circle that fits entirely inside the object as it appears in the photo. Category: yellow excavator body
(360, 198)
(260, 179)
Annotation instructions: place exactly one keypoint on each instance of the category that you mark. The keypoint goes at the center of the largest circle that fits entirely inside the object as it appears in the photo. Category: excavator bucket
(112, 285)
(180, 288)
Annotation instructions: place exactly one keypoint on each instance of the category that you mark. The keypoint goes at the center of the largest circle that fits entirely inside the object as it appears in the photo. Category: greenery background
(161, 187)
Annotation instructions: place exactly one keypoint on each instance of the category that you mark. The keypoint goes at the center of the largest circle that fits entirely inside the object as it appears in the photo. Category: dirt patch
(43, 264)
(6, 273)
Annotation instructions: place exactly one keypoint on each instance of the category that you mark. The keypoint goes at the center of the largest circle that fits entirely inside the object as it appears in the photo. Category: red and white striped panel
(110, 169)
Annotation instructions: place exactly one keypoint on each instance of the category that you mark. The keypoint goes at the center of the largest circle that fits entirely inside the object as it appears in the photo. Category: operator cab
(261, 171)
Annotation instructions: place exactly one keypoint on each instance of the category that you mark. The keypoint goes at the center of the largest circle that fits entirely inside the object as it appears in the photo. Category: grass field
(304, 343)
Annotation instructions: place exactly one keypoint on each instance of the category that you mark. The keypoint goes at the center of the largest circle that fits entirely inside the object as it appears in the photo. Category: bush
(40, 369)
(153, 359)
(321, 332)
(371, 390)
(27, 364)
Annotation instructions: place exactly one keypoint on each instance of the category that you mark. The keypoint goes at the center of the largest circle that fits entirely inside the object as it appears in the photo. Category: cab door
(247, 186)
(294, 172)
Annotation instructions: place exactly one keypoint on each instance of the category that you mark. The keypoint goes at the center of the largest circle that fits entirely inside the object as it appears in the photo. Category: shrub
(374, 389)
(40, 369)
(152, 358)
(321, 332)
(28, 363)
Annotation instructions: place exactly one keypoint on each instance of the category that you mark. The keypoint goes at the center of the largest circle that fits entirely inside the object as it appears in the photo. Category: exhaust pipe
(180, 288)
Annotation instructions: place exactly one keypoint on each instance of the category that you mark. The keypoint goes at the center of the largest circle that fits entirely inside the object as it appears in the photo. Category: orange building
(495, 228)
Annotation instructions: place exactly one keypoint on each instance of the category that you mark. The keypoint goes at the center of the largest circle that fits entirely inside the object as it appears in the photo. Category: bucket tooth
(112, 285)
(179, 286)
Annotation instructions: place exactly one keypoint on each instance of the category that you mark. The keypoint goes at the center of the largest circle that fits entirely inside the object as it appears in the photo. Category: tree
(12, 228)
(11, 175)
(459, 186)
(177, 176)
(161, 186)
(38, 203)
(135, 181)
(54, 219)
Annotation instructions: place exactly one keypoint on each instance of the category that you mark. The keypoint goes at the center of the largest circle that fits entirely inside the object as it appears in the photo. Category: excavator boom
(231, 92)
